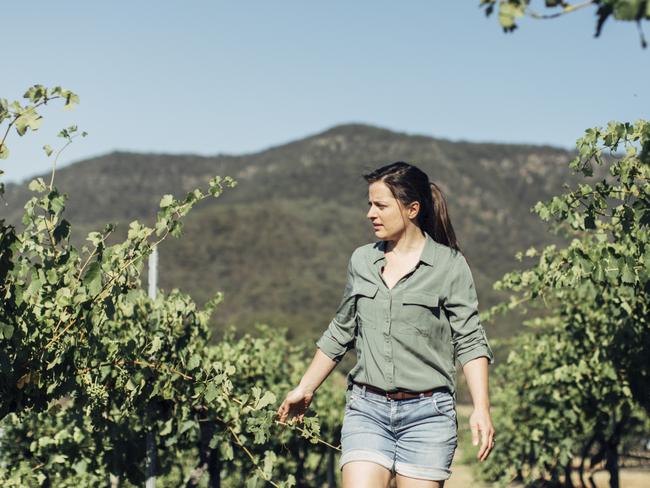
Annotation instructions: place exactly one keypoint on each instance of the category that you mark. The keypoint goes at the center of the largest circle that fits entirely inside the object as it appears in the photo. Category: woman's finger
(490, 444)
(487, 444)
(283, 410)
(474, 429)
(484, 444)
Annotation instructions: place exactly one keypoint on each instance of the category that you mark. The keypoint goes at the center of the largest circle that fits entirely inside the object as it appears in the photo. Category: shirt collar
(427, 256)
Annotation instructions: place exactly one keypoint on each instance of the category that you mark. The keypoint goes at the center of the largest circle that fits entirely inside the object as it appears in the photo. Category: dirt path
(461, 475)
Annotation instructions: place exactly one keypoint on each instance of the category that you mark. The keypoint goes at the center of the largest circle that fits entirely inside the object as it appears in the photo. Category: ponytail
(434, 218)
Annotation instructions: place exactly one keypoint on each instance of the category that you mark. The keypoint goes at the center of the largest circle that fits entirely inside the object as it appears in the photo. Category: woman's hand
(295, 404)
(480, 421)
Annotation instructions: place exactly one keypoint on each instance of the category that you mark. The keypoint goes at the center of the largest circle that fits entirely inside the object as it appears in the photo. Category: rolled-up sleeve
(339, 336)
(467, 333)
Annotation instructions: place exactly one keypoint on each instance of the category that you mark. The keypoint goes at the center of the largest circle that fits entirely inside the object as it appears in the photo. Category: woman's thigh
(406, 482)
(365, 474)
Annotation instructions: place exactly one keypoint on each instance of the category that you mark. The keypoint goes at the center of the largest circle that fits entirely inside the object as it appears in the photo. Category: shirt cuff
(331, 348)
(481, 351)
(476, 348)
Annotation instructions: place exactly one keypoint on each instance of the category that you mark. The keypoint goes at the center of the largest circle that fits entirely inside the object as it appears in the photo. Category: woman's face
(388, 217)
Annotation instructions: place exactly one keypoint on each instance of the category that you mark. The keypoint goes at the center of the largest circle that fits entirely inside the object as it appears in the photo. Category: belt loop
(363, 390)
(421, 395)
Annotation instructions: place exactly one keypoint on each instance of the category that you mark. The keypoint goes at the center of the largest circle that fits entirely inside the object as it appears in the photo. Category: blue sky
(211, 77)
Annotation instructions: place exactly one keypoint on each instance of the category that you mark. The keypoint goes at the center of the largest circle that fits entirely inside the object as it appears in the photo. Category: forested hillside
(277, 244)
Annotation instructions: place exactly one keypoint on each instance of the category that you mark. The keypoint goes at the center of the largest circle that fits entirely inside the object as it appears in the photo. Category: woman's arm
(476, 374)
(298, 399)
(472, 350)
(319, 369)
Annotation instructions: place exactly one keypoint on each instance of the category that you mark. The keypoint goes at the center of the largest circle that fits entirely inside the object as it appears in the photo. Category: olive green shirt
(407, 337)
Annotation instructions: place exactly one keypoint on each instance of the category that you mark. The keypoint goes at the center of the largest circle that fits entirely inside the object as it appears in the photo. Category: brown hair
(408, 184)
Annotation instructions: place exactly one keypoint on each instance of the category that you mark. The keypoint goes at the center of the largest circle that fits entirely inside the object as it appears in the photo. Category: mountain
(277, 244)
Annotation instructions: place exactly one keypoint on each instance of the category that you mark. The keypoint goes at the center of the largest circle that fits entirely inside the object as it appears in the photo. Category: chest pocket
(367, 305)
(420, 313)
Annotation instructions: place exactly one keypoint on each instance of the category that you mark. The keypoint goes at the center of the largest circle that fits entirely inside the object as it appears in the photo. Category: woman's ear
(413, 209)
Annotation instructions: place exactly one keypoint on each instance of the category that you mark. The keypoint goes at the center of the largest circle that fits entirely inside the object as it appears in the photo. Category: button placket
(389, 370)
(387, 343)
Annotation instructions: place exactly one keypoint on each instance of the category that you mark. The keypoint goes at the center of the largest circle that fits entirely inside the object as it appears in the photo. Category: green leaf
(52, 276)
(508, 12)
(185, 426)
(70, 101)
(81, 466)
(33, 287)
(227, 453)
(194, 362)
(176, 228)
(29, 119)
(37, 185)
(628, 275)
(48, 150)
(210, 393)
(167, 428)
(93, 278)
(627, 9)
(57, 204)
(155, 345)
(7, 330)
(267, 399)
(4, 151)
(269, 460)
(626, 306)
(95, 238)
(166, 201)
(59, 459)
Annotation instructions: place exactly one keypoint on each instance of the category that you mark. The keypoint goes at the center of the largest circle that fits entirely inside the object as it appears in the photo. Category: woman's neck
(411, 241)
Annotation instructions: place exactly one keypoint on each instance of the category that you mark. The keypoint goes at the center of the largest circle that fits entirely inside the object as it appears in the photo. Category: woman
(410, 310)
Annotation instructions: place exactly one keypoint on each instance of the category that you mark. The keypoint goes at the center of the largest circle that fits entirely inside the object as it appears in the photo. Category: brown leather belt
(399, 395)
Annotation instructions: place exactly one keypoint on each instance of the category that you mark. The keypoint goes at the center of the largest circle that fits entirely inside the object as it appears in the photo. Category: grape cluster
(97, 396)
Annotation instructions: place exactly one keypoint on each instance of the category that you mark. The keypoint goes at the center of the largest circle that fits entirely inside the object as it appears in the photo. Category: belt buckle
(395, 395)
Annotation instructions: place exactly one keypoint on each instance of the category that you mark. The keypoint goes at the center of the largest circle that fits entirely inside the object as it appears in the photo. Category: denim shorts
(416, 437)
